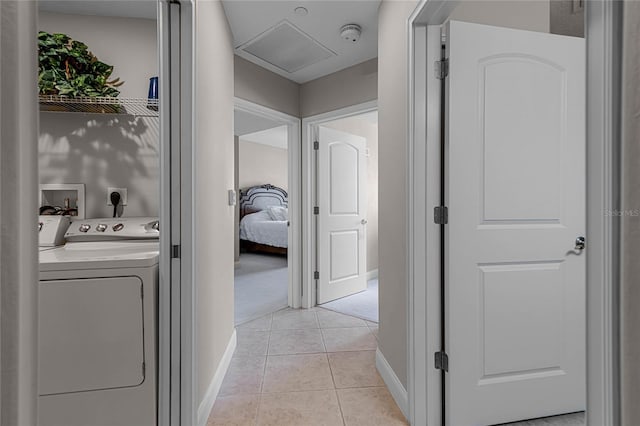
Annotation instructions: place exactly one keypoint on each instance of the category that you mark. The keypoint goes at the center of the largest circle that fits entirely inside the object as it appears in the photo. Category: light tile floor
(305, 368)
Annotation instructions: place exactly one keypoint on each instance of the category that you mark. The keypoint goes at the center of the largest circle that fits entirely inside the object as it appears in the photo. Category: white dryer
(97, 347)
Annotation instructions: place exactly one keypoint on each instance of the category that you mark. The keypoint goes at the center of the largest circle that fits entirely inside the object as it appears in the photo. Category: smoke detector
(351, 32)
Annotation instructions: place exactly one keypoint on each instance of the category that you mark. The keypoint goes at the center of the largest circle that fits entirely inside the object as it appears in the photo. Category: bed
(264, 219)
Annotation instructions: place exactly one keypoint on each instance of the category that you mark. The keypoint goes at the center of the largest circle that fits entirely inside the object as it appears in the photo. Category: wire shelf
(140, 107)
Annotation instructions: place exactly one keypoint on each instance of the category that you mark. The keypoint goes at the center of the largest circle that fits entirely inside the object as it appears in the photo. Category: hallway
(305, 367)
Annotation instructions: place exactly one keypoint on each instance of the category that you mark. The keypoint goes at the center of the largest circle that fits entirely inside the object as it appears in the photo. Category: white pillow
(278, 213)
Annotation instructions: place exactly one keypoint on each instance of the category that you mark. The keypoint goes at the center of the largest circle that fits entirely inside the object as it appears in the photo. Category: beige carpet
(261, 286)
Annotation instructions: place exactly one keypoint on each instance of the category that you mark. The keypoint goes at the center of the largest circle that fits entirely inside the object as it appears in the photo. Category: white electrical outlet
(123, 195)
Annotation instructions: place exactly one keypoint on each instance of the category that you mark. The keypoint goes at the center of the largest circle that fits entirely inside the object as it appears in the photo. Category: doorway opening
(426, 94)
(344, 239)
(265, 206)
(102, 225)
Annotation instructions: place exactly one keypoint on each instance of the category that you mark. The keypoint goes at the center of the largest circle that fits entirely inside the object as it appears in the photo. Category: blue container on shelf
(153, 94)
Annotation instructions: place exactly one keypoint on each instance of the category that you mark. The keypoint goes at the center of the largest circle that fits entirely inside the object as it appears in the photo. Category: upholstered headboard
(261, 197)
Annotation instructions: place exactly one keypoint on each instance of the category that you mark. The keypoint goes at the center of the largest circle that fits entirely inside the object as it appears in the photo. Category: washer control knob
(118, 227)
(85, 228)
(101, 227)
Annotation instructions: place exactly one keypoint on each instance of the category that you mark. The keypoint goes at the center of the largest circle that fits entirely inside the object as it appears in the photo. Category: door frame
(177, 374)
(294, 256)
(19, 117)
(309, 177)
(603, 38)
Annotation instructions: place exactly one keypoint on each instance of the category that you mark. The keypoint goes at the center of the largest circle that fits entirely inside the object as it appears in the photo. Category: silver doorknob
(581, 242)
(363, 221)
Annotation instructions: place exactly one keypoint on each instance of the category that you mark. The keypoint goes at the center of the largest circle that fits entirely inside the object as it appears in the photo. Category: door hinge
(144, 369)
(441, 215)
(442, 361)
(316, 145)
(316, 275)
(141, 292)
(442, 69)
(175, 252)
(316, 210)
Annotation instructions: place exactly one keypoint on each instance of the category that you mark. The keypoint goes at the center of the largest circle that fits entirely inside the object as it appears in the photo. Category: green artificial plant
(68, 68)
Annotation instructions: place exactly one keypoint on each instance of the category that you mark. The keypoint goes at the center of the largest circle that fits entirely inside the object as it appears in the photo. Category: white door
(515, 160)
(342, 218)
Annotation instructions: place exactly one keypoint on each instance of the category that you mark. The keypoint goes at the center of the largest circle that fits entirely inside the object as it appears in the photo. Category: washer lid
(99, 255)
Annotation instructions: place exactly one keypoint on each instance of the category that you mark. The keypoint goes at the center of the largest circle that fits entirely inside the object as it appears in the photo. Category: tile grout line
(333, 379)
(264, 374)
(324, 345)
(266, 357)
(327, 352)
(335, 390)
(255, 420)
(306, 391)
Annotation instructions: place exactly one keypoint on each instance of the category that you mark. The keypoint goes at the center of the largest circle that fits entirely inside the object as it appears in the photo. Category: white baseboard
(372, 275)
(214, 387)
(394, 385)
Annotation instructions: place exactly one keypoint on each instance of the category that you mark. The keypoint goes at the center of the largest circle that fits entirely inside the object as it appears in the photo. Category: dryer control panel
(130, 228)
(51, 230)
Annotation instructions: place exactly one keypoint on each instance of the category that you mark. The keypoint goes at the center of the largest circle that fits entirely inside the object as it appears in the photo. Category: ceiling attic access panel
(286, 47)
(251, 20)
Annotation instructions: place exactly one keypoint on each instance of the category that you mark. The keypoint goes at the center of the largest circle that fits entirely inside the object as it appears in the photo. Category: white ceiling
(254, 128)
(245, 123)
(276, 137)
(250, 18)
(121, 8)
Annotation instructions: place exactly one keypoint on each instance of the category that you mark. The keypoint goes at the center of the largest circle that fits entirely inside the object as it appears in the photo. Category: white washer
(51, 230)
(97, 339)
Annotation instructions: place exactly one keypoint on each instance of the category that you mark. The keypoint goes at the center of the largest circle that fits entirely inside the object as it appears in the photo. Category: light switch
(232, 197)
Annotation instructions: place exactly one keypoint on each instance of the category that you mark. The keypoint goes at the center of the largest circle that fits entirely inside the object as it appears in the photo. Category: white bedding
(261, 228)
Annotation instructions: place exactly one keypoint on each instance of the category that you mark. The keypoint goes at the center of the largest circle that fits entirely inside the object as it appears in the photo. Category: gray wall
(102, 151)
(127, 43)
(566, 18)
(368, 130)
(630, 290)
(236, 187)
(106, 151)
(259, 164)
(532, 15)
(214, 176)
(263, 87)
(393, 145)
(350, 86)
